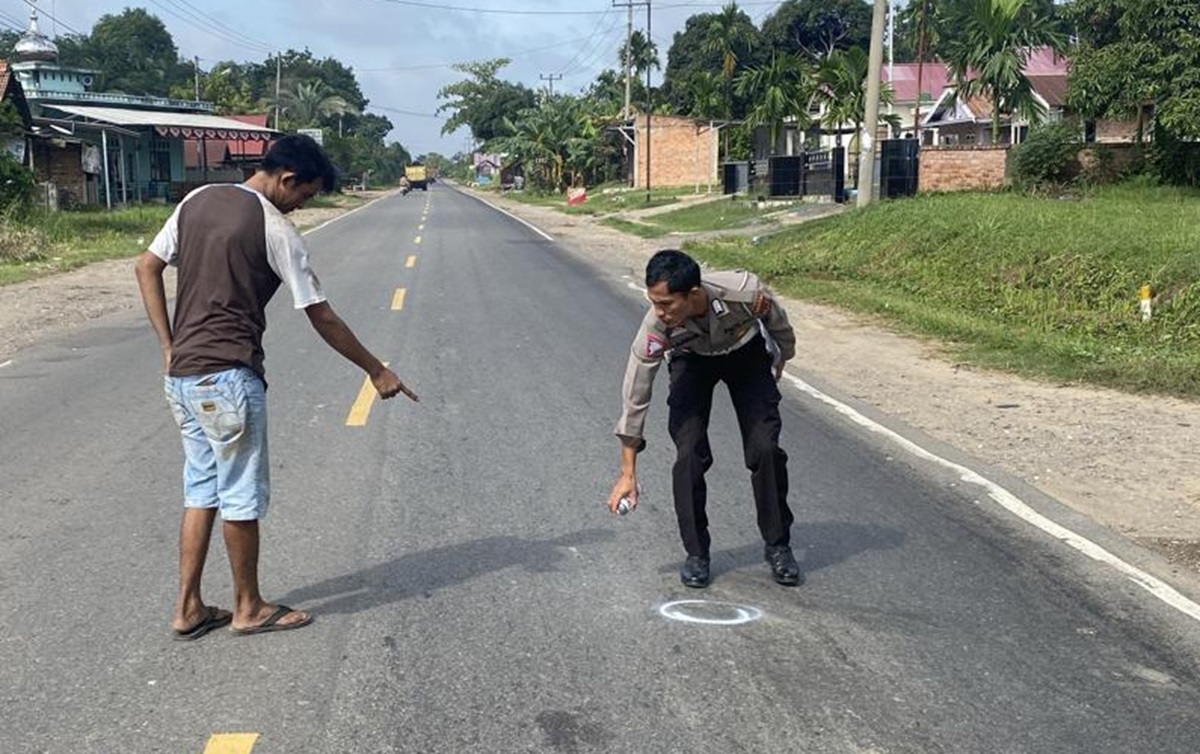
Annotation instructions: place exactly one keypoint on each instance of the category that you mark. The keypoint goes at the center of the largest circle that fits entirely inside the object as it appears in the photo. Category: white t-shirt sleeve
(165, 245)
(288, 257)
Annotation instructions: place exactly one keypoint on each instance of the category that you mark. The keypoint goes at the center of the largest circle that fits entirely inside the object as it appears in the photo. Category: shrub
(16, 185)
(1048, 155)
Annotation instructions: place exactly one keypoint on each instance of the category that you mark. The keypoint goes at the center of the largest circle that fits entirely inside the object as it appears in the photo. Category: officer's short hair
(303, 156)
(679, 271)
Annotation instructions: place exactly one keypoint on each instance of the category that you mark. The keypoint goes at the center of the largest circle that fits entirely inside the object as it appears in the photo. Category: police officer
(719, 327)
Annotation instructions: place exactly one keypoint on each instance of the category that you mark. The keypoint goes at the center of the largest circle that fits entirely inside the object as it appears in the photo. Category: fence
(812, 174)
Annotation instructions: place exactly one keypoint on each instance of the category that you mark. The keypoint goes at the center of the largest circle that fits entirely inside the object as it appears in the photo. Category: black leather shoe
(784, 568)
(695, 572)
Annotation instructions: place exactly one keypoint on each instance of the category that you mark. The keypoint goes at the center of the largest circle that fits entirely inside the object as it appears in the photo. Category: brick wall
(1116, 131)
(962, 168)
(62, 166)
(682, 152)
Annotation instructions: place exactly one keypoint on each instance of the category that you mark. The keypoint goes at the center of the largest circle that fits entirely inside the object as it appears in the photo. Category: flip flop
(213, 618)
(272, 623)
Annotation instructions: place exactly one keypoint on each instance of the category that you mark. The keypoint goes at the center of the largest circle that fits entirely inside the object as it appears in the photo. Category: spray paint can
(624, 505)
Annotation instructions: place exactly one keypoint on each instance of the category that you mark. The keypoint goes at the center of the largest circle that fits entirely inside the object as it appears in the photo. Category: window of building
(1089, 132)
(160, 160)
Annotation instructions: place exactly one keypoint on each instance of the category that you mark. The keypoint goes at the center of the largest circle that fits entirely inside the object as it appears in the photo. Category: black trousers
(747, 373)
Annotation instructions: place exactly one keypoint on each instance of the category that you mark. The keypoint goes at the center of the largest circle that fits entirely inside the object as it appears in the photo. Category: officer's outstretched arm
(626, 484)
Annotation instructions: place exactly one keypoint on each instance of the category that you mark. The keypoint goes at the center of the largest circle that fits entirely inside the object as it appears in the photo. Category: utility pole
(552, 77)
(649, 69)
(278, 82)
(196, 67)
(628, 62)
(866, 140)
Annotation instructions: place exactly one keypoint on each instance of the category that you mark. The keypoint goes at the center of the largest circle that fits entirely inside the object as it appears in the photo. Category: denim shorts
(223, 420)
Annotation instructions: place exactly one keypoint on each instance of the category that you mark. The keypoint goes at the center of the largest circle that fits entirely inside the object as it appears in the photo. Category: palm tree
(707, 94)
(840, 78)
(644, 53)
(988, 54)
(308, 102)
(727, 35)
(779, 90)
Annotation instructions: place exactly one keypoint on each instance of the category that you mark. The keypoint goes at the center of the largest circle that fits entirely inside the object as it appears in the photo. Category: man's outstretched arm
(342, 339)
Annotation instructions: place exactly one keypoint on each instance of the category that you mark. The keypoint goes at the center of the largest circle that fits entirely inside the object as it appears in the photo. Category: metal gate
(899, 168)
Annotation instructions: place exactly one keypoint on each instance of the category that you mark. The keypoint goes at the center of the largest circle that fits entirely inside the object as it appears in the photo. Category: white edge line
(1015, 506)
(526, 223)
(1008, 501)
(345, 215)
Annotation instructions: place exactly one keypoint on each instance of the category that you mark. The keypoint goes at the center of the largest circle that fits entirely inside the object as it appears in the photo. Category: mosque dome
(35, 45)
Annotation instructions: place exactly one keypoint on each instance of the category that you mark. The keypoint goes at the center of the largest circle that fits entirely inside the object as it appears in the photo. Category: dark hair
(302, 156)
(678, 270)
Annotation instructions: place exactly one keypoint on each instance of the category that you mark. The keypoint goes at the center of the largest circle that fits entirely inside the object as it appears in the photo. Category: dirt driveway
(1125, 461)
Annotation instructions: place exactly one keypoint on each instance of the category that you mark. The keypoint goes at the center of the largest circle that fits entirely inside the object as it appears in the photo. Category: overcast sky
(400, 50)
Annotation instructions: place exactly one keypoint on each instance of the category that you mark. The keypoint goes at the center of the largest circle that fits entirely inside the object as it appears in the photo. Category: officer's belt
(749, 336)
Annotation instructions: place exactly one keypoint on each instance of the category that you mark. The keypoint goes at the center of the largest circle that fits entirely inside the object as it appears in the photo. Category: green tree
(780, 90)
(308, 103)
(840, 88)
(132, 53)
(988, 55)
(815, 28)
(483, 102)
(1134, 55)
(644, 54)
(690, 56)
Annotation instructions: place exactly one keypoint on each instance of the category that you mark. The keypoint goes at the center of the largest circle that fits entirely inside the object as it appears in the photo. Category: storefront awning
(179, 125)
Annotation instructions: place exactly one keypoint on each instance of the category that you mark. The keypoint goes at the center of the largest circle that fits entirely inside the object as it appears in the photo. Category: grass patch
(599, 202)
(1041, 286)
(723, 214)
(636, 229)
(61, 241)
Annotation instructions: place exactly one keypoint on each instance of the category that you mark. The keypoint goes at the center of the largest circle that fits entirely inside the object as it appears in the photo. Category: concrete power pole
(552, 77)
(278, 81)
(866, 160)
(628, 64)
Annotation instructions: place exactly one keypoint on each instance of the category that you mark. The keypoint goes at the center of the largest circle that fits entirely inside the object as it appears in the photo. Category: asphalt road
(471, 593)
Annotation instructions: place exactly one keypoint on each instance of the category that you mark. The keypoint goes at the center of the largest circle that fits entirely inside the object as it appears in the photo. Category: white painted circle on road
(710, 613)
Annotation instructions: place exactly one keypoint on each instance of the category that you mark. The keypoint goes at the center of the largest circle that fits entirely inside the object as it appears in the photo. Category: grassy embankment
(1041, 286)
(609, 202)
(599, 202)
(45, 243)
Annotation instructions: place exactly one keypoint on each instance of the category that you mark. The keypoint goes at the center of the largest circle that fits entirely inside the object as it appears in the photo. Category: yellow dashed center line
(421, 226)
(417, 240)
(398, 299)
(231, 743)
(411, 261)
(358, 415)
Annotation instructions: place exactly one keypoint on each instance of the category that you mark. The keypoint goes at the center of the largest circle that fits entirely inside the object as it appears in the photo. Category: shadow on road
(419, 574)
(817, 545)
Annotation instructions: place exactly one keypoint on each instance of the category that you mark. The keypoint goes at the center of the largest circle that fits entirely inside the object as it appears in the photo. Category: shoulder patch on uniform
(761, 306)
(655, 346)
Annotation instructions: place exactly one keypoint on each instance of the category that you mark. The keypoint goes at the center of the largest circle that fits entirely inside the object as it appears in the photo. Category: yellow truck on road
(417, 177)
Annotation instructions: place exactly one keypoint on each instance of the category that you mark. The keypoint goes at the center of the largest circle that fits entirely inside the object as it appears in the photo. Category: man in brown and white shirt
(719, 327)
(234, 247)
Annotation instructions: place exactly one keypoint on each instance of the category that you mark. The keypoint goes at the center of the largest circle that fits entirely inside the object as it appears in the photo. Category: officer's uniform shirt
(739, 308)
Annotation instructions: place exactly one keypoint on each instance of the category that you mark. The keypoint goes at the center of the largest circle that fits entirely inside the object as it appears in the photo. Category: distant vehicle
(417, 177)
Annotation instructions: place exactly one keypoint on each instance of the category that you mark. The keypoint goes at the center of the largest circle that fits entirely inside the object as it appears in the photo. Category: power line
(59, 21)
(523, 12)
(218, 24)
(207, 27)
(513, 56)
(588, 46)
